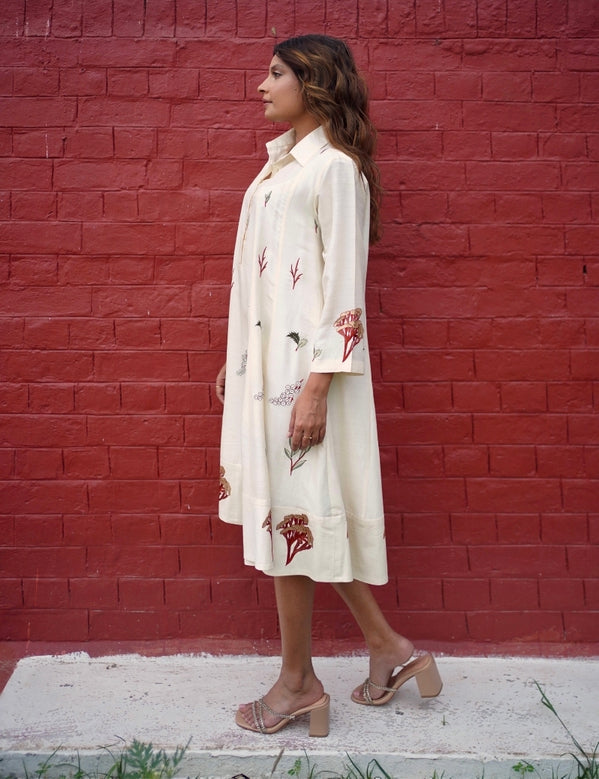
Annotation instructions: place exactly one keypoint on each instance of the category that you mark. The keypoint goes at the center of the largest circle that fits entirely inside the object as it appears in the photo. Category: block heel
(429, 680)
(319, 719)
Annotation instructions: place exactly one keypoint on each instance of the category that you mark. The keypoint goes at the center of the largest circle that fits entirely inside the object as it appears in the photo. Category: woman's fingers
(303, 437)
(308, 421)
(291, 430)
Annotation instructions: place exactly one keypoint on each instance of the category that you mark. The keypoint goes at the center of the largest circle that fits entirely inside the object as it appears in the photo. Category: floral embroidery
(349, 326)
(296, 456)
(268, 525)
(267, 198)
(224, 487)
(299, 342)
(262, 261)
(295, 275)
(294, 529)
(259, 395)
(244, 362)
(287, 395)
(316, 353)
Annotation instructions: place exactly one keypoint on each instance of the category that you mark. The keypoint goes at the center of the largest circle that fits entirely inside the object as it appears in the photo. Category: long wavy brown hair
(336, 94)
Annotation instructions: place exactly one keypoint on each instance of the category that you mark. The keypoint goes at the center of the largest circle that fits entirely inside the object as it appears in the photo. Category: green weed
(135, 761)
(373, 770)
(587, 763)
(141, 761)
(523, 768)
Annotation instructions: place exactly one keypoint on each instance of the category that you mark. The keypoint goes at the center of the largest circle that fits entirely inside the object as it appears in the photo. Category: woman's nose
(261, 87)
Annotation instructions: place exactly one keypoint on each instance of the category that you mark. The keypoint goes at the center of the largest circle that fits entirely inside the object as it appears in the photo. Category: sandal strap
(380, 686)
(366, 691)
(368, 683)
(258, 706)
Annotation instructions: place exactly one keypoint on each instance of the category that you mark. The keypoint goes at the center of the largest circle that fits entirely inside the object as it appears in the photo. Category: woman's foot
(422, 668)
(285, 698)
(383, 660)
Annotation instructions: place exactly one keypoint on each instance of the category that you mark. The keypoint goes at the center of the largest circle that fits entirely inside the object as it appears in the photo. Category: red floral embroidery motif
(294, 528)
(224, 487)
(349, 326)
(262, 261)
(295, 274)
(268, 525)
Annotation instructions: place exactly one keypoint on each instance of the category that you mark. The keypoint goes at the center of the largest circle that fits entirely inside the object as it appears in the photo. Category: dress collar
(312, 144)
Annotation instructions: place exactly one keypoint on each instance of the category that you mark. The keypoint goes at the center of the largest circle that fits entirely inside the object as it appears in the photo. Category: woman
(299, 453)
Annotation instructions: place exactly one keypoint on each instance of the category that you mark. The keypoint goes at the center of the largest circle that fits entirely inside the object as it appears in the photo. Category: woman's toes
(358, 693)
(242, 712)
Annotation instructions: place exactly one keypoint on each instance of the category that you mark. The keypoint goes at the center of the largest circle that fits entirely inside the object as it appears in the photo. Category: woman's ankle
(395, 646)
(299, 682)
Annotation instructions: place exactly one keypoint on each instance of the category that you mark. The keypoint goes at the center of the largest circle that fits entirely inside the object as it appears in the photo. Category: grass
(140, 760)
(373, 770)
(586, 762)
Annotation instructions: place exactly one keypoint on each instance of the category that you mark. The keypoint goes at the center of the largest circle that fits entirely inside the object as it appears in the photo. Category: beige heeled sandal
(423, 668)
(319, 717)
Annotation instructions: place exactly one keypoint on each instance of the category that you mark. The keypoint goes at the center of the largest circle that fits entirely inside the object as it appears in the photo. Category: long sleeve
(342, 216)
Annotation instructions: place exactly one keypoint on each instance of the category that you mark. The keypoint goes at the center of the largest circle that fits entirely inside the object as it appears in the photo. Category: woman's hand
(307, 426)
(220, 383)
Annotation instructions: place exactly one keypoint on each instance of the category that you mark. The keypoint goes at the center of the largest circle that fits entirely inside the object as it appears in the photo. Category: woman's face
(281, 94)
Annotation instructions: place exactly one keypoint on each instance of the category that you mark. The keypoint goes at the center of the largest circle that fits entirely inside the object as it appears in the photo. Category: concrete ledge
(487, 718)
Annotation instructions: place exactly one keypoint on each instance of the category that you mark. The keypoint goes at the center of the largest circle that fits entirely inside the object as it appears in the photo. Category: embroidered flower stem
(295, 275)
(262, 261)
(296, 456)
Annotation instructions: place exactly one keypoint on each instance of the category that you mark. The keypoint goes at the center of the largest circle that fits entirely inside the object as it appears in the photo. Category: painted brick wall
(128, 134)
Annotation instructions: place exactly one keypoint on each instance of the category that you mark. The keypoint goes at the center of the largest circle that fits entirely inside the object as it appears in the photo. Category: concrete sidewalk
(487, 718)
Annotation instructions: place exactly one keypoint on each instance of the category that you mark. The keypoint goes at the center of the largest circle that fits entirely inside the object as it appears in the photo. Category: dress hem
(338, 580)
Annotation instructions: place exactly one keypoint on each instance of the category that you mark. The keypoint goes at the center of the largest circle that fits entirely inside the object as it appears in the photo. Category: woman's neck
(304, 126)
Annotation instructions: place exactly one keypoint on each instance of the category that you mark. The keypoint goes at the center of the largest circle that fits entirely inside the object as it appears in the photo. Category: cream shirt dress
(296, 307)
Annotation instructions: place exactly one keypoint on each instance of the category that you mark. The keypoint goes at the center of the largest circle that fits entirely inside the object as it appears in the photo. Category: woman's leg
(387, 648)
(297, 685)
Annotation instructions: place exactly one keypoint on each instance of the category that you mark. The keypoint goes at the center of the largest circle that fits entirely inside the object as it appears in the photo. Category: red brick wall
(129, 132)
